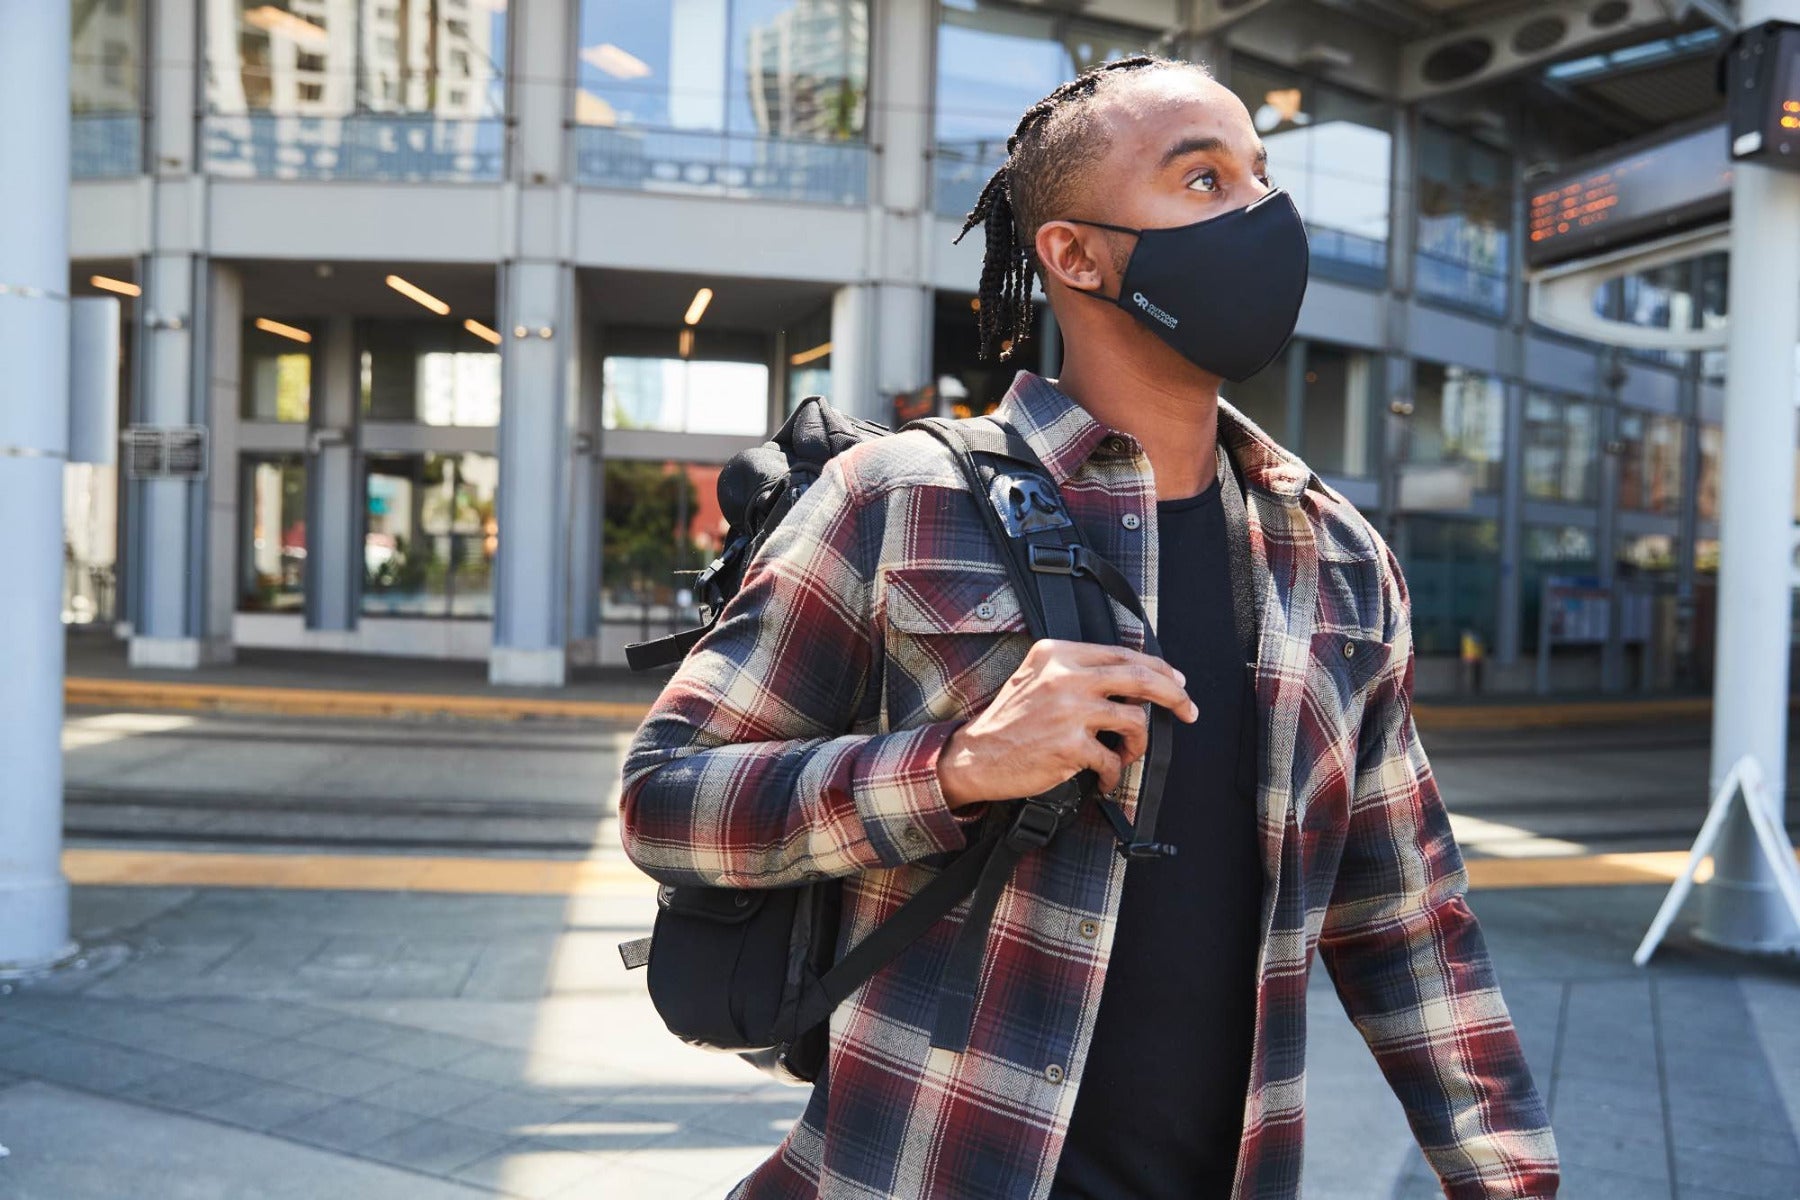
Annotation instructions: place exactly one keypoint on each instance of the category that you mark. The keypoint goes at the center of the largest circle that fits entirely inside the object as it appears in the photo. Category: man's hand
(1042, 726)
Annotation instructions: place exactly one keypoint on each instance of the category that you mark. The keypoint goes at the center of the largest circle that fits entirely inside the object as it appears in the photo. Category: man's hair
(1045, 160)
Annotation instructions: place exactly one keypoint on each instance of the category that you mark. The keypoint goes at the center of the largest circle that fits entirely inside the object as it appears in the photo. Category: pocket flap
(934, 599)
(723, 906)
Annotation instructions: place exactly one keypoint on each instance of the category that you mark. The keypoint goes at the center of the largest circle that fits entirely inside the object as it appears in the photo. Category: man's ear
(1072, 255)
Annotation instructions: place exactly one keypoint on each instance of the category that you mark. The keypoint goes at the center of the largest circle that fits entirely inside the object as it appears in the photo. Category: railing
(367, 147)
(721, 164)
(106, 145)
(959, 170)
(1459, 281)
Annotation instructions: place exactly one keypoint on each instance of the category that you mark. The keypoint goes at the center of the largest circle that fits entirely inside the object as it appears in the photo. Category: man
(1140, 1027)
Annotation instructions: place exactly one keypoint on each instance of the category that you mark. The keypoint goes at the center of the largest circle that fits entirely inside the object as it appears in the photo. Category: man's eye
(1206, 181)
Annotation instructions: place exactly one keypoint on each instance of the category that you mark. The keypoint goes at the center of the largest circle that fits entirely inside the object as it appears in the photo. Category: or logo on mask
(1228, 288)
(1143, 302)
(1026, 504)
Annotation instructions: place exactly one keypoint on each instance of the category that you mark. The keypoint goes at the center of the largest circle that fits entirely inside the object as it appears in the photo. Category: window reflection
(1465, 220)
(1555, 550)
(994, 62)
(1650, 462)
(272, 535)
(332, 58)
(106, 88)
(1452, 568)
(1706, 487)
(684, 396)
(277, 374)
(1336, 391)
(365, 89)
(428, 373)
(769, 68)
(1331, 150)
(1459, 415)
(431, 536)
(1561, 448)
(661, 519)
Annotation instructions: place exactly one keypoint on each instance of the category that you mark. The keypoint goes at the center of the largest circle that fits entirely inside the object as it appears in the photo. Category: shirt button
(1090, 929)
(1053, 1073)
(985, 611)
(1349, 649)
(912, 834)
(1116, 445)
(1129, 520)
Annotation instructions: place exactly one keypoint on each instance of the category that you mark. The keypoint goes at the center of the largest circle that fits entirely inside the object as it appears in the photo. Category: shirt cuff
(895, 787)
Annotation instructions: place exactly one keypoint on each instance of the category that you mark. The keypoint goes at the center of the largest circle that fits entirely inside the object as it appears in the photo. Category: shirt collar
(1064, 434)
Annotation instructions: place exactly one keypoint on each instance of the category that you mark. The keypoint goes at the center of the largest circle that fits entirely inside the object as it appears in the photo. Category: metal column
(1742, 909)
(34, 433)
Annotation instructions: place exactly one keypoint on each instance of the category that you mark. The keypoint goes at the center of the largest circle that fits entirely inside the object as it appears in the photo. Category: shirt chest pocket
(952, 636)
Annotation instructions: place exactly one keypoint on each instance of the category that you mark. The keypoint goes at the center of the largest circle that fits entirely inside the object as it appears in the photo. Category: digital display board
(1639, 193)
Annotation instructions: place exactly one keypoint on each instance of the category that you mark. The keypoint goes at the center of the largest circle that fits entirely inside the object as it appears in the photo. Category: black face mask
(1226, 291)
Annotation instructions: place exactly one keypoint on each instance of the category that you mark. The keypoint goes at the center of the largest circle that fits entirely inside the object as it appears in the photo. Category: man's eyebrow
(1203, 145)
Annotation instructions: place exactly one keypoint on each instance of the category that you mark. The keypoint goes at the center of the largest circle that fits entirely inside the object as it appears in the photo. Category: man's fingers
(1096, 654)
(1130, 722)
(1138, 682)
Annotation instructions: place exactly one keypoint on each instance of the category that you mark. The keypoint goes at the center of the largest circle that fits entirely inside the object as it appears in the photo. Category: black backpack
(754, 970)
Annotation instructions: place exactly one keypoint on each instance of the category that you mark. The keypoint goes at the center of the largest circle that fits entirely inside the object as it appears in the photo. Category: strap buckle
(1058, 560)
(1034, 825)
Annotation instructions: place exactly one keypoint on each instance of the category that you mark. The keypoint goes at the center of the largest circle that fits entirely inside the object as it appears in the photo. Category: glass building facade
(486, 283)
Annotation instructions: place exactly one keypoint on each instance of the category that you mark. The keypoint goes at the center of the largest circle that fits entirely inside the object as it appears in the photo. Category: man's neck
(1176, 422)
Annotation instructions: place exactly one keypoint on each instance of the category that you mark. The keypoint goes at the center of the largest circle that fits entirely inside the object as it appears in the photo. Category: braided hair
(1014, 200)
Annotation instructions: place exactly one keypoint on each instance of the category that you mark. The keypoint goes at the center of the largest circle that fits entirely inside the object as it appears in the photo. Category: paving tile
(425, 1050)
(275, 1018)
(279, 1061)
(437, 1147)
(187, 1088)
(429, 1093)
(346, 1125)
(534, 1170)
(1582, 1181)
(266, 1105)
(353, 1034)
(513, 1112)
(1736, 1174)
(497, 1065)
(350, 1077)
(80, 1063)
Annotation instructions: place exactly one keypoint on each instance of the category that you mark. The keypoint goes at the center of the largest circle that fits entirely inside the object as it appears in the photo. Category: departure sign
(1627, 196)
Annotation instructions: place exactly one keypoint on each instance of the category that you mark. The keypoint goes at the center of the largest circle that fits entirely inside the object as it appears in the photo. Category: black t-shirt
(1161, 1107)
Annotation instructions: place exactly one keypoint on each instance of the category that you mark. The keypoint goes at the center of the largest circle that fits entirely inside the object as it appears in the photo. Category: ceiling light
(697, 308)
(686, 342)
(419, 295)
(290, 332)
(273, 21)
(620, 64)
(491, 336)
(123, 288)
(813, 355)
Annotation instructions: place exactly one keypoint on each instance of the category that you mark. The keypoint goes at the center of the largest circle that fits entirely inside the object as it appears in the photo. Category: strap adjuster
(1058, 560)
(1034, 825)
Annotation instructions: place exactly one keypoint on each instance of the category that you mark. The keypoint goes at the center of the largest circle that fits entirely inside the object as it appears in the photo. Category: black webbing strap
(660, 652)
(1237, 544)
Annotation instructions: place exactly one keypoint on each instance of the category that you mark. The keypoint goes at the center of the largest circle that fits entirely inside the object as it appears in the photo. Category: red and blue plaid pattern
(799, 741)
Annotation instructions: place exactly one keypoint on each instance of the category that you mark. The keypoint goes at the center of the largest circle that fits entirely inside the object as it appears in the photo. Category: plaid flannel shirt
(799, 741)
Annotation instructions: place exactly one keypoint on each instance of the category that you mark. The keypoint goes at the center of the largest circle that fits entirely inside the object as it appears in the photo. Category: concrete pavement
(242, 1042)
(390, 1031)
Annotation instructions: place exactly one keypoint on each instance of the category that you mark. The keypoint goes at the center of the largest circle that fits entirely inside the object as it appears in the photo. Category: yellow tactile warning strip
(555, 877)
(135, 694)
(322, 702)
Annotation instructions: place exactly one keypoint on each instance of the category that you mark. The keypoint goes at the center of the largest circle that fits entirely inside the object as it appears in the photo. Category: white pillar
(34, 433)
(1742, 906)
(537, 423)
